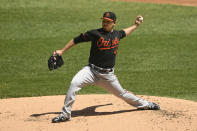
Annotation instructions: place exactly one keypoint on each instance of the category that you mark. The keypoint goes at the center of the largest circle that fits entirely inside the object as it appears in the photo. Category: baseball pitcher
(100, 69)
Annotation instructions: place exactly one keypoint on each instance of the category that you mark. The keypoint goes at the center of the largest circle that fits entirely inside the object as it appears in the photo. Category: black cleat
(153, 106)
(59, 118)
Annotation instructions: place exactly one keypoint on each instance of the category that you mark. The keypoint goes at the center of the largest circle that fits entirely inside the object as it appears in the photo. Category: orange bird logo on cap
(107, 15)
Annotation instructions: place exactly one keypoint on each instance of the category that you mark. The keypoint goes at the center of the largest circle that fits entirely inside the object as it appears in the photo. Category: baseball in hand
(140, 18)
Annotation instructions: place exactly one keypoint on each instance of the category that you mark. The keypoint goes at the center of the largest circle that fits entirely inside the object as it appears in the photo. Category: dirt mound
(96, 113)
(177, 2)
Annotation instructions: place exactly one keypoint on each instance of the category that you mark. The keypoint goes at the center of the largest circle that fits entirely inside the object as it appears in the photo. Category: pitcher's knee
(75, 83)
(75, 86)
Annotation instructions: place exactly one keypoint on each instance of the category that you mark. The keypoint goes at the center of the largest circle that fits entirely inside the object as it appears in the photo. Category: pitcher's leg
(112, 85)
(83, 78)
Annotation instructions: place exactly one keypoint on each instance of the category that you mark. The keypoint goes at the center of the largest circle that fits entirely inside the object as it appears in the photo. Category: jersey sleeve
(83, 37)
(122, 34)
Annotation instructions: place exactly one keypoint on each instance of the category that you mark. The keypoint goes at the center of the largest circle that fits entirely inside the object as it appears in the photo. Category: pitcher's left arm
(132, 28)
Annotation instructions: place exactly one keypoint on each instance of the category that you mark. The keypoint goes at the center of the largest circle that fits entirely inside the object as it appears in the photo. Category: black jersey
(104, 46)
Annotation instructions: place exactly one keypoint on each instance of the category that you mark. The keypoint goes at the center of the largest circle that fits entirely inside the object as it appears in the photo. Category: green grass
(159, 58)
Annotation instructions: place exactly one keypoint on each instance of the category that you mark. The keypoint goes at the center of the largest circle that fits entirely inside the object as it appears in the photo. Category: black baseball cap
(109, 16)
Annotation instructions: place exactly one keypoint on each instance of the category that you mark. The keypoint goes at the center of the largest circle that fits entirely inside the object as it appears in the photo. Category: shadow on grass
(88, 111)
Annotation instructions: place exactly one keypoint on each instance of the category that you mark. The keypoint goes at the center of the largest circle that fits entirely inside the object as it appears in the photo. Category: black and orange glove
(55, 61)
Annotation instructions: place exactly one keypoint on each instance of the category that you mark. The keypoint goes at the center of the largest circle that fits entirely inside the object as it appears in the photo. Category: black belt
(101, 70)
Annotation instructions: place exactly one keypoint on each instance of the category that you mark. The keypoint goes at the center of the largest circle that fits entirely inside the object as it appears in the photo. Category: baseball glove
(55, 61)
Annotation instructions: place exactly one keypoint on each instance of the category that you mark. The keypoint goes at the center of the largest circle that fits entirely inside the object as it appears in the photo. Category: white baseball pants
(89, 76)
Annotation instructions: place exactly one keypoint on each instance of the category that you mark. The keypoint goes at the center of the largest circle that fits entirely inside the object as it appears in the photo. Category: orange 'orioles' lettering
(115, 41)
(103, 44)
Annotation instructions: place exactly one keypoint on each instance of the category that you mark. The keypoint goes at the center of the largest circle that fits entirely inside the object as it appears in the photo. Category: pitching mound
(96, 113)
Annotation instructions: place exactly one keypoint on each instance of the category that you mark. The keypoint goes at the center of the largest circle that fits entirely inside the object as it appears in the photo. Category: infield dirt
(97, 113)
(176, 2)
